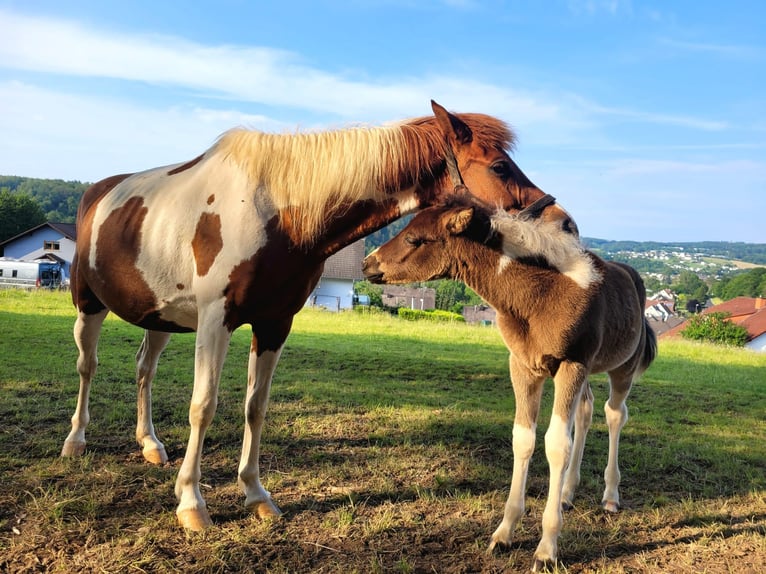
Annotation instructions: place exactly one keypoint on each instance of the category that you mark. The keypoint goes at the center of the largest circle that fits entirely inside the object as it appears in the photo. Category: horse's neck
(359, 220)
(510, 287)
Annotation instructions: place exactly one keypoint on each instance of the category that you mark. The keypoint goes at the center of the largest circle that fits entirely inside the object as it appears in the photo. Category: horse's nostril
(570, 226)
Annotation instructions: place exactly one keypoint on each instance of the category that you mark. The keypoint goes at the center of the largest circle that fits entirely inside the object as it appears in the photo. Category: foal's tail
(650, 346)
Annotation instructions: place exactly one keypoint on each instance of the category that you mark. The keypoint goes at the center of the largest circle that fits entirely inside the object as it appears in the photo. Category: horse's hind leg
(583, 419)
(87, 329)
(616, 412)
(146, 367)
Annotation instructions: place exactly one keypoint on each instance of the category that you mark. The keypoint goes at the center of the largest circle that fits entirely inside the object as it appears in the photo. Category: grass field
(387, 445)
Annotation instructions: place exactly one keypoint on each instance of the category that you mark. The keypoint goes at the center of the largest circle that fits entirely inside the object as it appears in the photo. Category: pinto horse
(239, 235)
(562, 312)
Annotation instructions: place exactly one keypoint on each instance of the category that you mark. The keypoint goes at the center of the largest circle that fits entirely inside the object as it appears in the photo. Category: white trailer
(30, 274)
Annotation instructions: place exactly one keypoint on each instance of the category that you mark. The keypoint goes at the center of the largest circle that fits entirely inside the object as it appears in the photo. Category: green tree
(689, 283)
(751, 283)
(18, 212)
(374, 292)
(716, 328)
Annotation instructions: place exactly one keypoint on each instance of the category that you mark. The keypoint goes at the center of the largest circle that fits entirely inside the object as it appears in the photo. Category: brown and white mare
(238, 236)
(562, 312)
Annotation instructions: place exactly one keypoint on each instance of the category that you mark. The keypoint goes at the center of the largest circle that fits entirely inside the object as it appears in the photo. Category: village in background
(686, 283)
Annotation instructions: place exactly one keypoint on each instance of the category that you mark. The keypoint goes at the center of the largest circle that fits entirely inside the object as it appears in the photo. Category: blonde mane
(311, 177)
(534, 238)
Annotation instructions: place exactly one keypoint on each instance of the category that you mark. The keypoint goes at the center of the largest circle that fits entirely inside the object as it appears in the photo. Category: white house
(52, 241)
(335, 290)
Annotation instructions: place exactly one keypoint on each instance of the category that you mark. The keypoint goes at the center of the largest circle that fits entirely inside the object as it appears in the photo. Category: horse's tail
(650, 346)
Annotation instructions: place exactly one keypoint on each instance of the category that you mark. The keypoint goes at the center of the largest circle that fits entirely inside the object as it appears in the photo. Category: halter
(532, 211)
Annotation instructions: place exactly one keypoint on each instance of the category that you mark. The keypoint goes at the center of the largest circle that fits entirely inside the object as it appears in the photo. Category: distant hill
(739, 251)
(57, 198)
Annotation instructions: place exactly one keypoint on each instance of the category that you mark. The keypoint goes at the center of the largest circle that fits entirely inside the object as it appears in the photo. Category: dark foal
(562, 312)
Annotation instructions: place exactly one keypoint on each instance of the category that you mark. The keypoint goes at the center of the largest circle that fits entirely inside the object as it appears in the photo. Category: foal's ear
(458, 221)
(453, 128)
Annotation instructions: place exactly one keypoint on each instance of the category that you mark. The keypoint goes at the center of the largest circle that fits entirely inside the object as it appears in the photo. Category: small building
(48, 241)
(422, 298)
(483, 314)
(335, 290)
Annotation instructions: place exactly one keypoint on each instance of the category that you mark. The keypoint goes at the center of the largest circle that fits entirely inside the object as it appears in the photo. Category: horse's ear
(458, 221)
(453, 128)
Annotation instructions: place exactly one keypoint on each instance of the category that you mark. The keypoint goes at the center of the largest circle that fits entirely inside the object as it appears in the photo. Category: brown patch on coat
(207, 242)
(269, 287)
(187, 165)
(83, 297)
(211, 199)
(120, 284)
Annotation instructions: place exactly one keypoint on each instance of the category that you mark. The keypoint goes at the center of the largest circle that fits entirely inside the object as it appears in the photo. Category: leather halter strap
(535, 209)
(532, 211)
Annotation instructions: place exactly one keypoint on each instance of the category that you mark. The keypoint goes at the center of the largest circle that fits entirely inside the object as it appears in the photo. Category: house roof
(750, 312)
(346, 263)
(755, 324)
(68, 230)
(738, 306)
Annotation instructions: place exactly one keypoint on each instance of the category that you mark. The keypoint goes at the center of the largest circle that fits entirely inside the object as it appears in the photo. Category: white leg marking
(558, 446)
(523, 447)
(146, 366)
(87, 329)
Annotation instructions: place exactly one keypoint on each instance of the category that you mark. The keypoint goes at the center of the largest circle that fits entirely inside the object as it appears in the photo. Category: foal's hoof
(610, 506)
(155, 455)
(195, 519)
(540, 565)
(265, 509)
(73, 448)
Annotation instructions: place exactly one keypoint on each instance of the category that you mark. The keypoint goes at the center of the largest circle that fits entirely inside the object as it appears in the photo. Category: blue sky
(647, 120)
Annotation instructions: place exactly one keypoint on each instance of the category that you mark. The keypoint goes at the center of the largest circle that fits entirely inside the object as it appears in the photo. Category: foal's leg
(616, 412)
(582, 422)
(211, 346)
(265, 350)
(527, 390)
(568, 382)
(146, 366)
(87, 329)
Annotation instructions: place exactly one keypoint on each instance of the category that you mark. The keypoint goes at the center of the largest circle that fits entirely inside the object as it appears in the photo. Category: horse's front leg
(146, 366)
(527, 390)
(211, 346)
(568, 382)
(265, 350)
(87, 329)
(582, 422)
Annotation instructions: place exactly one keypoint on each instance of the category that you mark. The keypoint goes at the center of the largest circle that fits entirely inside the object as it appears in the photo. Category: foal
(563, 313)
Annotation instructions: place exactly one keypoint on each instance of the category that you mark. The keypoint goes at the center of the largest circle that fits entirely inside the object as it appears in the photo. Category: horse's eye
(501, 169)
(413, 240)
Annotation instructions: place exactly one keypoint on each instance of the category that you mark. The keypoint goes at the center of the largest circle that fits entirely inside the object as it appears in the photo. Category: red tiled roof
(738, 307)
(755, 323)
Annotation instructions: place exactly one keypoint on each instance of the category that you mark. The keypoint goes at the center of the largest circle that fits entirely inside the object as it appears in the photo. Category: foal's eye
(414, 241)
(501, 169)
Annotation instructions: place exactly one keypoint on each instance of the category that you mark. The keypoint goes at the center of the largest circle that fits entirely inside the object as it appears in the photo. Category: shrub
(716, 328)
(433, 315)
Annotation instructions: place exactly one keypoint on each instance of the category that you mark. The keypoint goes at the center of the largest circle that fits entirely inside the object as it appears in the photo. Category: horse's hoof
(566, 506)
(155, 455)
(610, 506)
(73, 448)
(265, 509)
(195, 519)
(539, 565)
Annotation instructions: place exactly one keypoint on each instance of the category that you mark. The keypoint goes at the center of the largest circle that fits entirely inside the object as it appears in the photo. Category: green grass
(387, 444)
